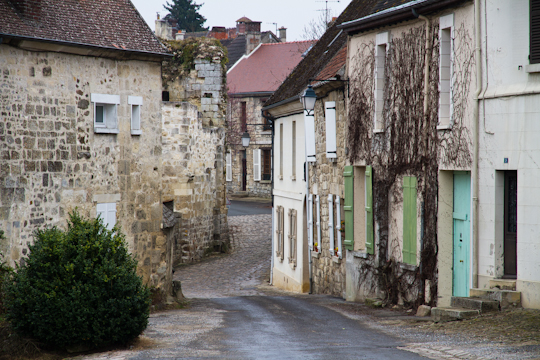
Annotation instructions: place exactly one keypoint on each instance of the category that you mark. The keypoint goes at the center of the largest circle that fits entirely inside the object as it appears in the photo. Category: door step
(506, 298)
(502, 284)
(473, 303)
(443, 314)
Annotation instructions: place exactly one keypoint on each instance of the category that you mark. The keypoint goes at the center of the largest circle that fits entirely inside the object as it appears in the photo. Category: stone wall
(326, 177)
(53, 162)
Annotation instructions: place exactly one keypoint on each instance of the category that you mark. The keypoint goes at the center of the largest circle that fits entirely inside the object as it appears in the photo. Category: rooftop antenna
(276, 27)
(326, 9)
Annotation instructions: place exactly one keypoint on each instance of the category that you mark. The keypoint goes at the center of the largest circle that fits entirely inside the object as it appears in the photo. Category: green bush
(5, 272)
(78, 288)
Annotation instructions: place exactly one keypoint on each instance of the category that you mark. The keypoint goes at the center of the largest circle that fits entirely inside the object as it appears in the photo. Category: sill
(292, 265)
(378, 131)
(336, 259)
(280, 177)
(293, 178)
(359, 254)
(265, 181)
(315, 254)
(532, 68)
(444, 127)
(409, 267)
(99, 130)
(136, 132)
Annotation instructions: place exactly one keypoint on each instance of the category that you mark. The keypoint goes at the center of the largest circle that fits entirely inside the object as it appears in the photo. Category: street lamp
(245, 139)
(308, 99)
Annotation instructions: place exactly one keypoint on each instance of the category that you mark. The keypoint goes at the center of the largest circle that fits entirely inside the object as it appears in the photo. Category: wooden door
(510, 224)
(462, 226)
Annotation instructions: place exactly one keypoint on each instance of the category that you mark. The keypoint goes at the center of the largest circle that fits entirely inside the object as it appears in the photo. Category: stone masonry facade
(53, 162)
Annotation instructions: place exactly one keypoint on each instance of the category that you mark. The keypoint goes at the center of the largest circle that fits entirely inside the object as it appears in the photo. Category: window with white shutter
(446, 59)
(309, 128)
(107, 212)
(338, 226)
(318, 245)
(257, 165)
(381, 49)
(280, 217)
(105, 113)
(136, 103)
(292, 237)
(293, 177)
(310, 221)
(331, 224)
(330, 117)
(228, 168)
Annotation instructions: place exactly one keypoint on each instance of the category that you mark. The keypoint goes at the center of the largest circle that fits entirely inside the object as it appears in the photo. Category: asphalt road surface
(241, 208)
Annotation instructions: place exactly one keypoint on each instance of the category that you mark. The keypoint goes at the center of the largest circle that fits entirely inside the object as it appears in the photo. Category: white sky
(292, 14)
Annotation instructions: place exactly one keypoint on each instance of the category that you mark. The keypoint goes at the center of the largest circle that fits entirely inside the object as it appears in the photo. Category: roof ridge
(291, 42)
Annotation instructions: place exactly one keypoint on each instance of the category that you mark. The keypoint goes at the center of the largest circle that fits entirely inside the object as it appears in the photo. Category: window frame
(108, 209)
(228, 166)
(110, 112)
(410, 218)
(382, 45)
(135, 103)
(446, 78)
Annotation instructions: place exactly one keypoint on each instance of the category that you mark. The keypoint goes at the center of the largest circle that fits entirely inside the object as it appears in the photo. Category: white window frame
(338, 225)
(446, 70)
(382, 42)
(318, 203)
(331, 224)
(331, 138)
(257, 165)
(228, 166)
(293, 176)
(107, 211)
(110, 112)
(310, 221)
(309, 129)
(292, 237)
(135, 103)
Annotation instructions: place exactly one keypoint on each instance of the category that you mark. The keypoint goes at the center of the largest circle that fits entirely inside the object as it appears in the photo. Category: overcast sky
(292, 14)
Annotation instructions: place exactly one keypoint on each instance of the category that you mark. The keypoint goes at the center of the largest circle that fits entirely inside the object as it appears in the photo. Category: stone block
(423, 310)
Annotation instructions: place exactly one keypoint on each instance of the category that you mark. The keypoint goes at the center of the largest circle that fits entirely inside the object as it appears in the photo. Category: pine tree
(186, 14)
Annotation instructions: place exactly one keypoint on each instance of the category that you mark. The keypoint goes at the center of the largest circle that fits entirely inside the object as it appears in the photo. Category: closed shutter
(107, 212)
(102, 212)
(257, 164)
(318, 204)
(279, 232)
(338, 225)
(310, 221)
(309, 128)
(282, 239)
(331, 224)
(534, 57)
(331, 146)
(409, 220)
(348, 207)
(369, 210)
(292, 237)
(228, 169)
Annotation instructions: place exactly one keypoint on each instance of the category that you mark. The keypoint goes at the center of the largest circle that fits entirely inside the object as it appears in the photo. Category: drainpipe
(476, 114)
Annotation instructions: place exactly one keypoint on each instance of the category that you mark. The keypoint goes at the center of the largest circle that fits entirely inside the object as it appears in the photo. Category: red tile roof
(266, 67)
(101, 23)
(334, 65)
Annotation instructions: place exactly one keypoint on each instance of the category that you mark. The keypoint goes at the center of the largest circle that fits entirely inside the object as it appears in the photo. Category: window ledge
(359, 254)
(292, 265)
(99, 130)
(280, 177)
(532, 68)
(293, 178)
(315, 254)
(265, 181)
(336, 259)
(409, 267)
(378, 131)
(136, 132)
(444, 127)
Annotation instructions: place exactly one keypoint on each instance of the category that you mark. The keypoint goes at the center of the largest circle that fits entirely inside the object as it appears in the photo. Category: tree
(316, 28)
(187, 15)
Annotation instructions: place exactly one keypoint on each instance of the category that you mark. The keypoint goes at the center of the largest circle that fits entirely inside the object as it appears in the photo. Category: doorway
(244, 170)
(510, 224)
(461, 233)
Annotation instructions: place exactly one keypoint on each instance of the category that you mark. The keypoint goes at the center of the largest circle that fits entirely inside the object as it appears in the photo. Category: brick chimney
(30, 9)
(283, 34)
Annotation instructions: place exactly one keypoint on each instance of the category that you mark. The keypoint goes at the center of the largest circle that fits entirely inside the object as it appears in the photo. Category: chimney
(30, 9)
(181, 34)
(283, 34)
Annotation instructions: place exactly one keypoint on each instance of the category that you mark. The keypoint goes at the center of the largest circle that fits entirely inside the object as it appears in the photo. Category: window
(337, 228)
(105, 113)
(409, 220)
(292, 237)
(330, 119)
(293, 177)
(359, 222)
(534, 38)
(280, 219)
(280, 151)
(348, 175)
(243, 116)
(310, 221)
(381, 49)
(266, 164)
(107, 212)
(446, 51)
(309, 128)
(228, 168)
(257, 164)
(135, 102)
(318, 244)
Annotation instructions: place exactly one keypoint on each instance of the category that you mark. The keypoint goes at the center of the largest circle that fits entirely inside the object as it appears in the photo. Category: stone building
(251, 81)
(80, 124)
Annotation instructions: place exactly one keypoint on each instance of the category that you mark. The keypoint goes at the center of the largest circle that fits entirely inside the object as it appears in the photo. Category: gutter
(251, 94)
(395, 15)
(280, 103)
(81, 45)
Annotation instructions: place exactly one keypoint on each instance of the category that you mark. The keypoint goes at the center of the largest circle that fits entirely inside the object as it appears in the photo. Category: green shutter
(409, 220)
(369, 210)
(348, 207)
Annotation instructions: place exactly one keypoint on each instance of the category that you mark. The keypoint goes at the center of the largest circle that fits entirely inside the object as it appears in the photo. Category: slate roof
(112, 24)
(236, 49)
(266, 67)
(331, 43)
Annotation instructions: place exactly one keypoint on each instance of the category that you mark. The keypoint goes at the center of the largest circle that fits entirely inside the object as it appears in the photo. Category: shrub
(78, 288)
(5, 272)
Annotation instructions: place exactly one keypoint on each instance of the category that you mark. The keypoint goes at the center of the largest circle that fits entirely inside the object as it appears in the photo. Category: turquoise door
(462, 227)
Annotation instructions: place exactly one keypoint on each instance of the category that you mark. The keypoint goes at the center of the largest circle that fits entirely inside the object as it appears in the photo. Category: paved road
(242, 207)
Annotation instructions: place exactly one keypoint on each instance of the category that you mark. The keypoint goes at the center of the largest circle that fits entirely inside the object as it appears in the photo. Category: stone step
(502, 284)
(506, 298)
(443, 314)
(241, 194)
(482, 305)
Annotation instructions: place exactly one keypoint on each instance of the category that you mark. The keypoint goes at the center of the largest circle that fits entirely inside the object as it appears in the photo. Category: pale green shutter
(369, 210)
(409, 220)
(348, 207)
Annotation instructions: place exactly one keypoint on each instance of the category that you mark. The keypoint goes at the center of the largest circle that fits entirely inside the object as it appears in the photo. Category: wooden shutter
(318, 203)
(257, 164)
(282, 239)
(310, 221)
(534, 37)
(331, 224)
(292, 236)
(369, 210)
(107, 212)
(266, 165)
(348, 207)
(102, 212)
(228, 168)
(243, 116)
(279, 232)
(309, 128)
(331, 146)
(338, 225)
(409, 220)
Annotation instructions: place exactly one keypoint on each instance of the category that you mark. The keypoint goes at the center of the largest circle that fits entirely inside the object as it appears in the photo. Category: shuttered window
(243, 116)
(266, 164)
(228, 169)
(293, 150)
(309, 128)
(281, 151)
(369, 210)
(136, 103)
(280, 217)
(318, 244)
(330, 119)
(338, 227)
(534, 57)
(331, 224)
(310, 221)
(257, 165)
(292, 237)
(409, 220)
(446, 59)
(348, 175)
(107, 212)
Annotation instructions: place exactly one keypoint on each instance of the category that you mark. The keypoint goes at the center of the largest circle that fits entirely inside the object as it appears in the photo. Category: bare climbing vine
(410, 145)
